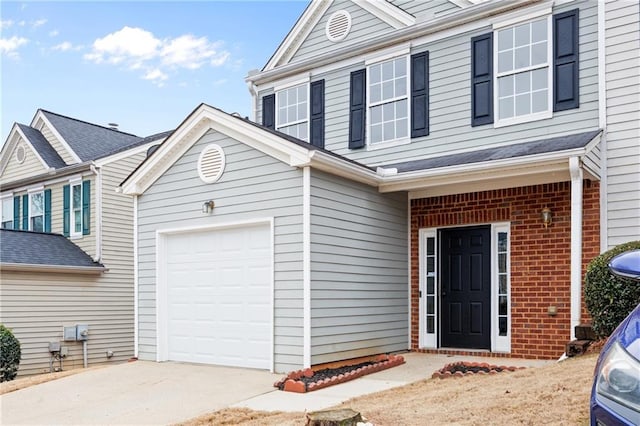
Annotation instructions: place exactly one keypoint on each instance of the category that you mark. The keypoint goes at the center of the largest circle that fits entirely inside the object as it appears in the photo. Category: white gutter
(253, 90)
(575, 171)
(33, 267)
(98, 212)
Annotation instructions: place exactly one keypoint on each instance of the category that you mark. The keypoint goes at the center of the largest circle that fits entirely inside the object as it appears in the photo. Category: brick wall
(540, 257)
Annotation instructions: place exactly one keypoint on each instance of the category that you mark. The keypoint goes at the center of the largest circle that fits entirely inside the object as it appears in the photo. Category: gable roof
(285, 148)
(386, 11)
(22, 250)
(42, 146)
(90, 141)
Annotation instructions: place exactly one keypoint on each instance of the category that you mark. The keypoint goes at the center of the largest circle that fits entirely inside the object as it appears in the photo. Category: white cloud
(63, 47)
(38, 23)
(6, 24)
(10, 46)
(53, 33)
(138, 49)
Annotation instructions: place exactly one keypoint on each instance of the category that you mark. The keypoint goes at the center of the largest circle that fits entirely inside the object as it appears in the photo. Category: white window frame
(31, 193)
(4, 198)
(542, 14)
(289, 86)
(500, 343)
(428, 340)
(72, 232)
(388, 57)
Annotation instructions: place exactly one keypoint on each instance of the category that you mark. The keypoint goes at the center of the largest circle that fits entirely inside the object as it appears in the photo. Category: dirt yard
(557, 394)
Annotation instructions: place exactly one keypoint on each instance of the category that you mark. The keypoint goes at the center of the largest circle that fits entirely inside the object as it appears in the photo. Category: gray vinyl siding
(253, 186)
(622, 41)
(31, 166)
(450, 101)
(358, 270)
(364, 25)
(425, 9)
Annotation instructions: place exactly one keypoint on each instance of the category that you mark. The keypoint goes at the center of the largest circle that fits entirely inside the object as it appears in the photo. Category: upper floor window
(7, 213)
(523, 55)
(388, 101)
(76, 209)
(292, 116)
(36, 211)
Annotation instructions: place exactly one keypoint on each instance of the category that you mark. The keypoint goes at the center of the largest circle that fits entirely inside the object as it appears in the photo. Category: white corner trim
(136, 281)
(409, 307)
(392, 15)
(575, 170)
(306, 266)
(98, 211)
(602, 55)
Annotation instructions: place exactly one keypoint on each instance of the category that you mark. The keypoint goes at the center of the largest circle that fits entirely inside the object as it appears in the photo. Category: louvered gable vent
(211, 163)
(338, 25)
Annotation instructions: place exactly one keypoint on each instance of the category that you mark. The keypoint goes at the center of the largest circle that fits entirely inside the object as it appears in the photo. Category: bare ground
(555, 394)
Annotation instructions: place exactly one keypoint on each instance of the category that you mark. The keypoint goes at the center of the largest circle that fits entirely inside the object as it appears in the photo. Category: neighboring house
(58, 178)
(426, 176)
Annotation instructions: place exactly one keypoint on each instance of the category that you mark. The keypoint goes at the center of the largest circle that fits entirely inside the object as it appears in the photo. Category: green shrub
(609, 299)
(9, 354)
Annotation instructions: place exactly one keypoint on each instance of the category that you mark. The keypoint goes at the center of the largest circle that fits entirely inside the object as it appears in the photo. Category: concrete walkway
(162, 393)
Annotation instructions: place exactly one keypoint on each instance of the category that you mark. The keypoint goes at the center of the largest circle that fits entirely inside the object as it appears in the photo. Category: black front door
(466, 288)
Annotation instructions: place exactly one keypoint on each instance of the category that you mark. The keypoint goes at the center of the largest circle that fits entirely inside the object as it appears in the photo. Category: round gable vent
(338, 25)
(211, 163)
(21, 154)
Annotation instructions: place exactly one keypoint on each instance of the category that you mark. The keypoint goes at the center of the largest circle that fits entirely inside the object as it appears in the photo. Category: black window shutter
(420, 94)
(357, 109)
(482, 79)
(317, 113)
(565, 61)
(269, 111)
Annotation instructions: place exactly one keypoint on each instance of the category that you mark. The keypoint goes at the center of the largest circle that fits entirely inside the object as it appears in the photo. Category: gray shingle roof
(90, 141)
(543, 146)
(39, 248)
(40, 144)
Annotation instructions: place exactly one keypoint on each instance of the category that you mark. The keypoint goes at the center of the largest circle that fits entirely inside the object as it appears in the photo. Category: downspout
(575, 170)
(306, 266)
(135, 277)
(98, 212)
(254, 100)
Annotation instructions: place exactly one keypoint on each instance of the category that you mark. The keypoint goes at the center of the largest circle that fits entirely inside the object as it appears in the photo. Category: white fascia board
(335, 166)
(125, 154)
(489, 170)
(31, 267)
(67, 147)
(477, 13)
(386, 11)
(193, 128)
(298, 33)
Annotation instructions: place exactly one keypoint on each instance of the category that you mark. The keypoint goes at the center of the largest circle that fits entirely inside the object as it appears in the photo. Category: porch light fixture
(207, 206)
(545, 214)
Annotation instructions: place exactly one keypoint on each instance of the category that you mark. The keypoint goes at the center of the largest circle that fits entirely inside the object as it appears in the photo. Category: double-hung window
(292, 116)
(7, 212)
(76, 209)
(388, 87)
(36, 211)
(523, 78)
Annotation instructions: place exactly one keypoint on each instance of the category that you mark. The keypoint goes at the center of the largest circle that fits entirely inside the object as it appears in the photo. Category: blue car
(615, 396)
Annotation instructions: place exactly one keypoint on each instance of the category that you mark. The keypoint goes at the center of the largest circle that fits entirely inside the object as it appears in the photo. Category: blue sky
(144, 65)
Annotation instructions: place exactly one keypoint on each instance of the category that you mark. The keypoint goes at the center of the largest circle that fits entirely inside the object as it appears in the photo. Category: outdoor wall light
(545, 214)
(207, 206)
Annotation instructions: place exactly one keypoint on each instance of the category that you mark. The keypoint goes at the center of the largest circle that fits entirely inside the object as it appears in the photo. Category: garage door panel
(219, 297)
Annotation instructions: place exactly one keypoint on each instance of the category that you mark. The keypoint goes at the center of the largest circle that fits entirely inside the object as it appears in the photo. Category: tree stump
(343, 417)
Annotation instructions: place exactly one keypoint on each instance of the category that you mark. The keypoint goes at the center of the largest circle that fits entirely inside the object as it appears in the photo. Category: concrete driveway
(140, 392)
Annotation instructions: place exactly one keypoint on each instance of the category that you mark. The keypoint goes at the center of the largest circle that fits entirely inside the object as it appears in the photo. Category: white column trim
(575, 170)
(136, 330)
(306, 265)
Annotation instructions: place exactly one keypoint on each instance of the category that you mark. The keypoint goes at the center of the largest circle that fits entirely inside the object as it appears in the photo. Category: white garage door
(219, 297)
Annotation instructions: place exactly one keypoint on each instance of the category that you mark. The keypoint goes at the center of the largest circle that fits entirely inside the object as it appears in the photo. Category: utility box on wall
(69, 334)
(78, 332)
(82, 332)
